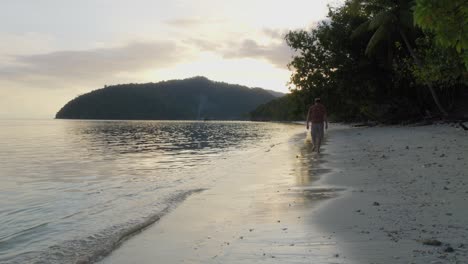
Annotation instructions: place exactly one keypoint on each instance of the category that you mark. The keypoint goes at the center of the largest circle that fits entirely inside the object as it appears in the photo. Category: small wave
(21, 233)
(94, 247)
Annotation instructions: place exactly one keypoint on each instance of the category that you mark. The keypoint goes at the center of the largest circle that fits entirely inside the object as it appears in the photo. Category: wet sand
(374, 195)
(261, 210)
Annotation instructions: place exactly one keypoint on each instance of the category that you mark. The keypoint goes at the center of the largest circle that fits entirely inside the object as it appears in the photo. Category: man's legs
(314, 138)
(317, 135)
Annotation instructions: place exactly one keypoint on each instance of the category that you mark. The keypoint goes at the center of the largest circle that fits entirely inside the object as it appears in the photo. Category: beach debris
(449, 249)
(431, 242)
(251, 229)
(446, 188)
(376, 204)
(284, 229)
(241, 237)
(462, 125)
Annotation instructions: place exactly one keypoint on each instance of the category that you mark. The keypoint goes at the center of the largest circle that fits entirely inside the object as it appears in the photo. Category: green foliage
(331, 64)
(386, 19)
(365, 64)
(448, 20)
(280, 109)
(189, 99)
(441, 66)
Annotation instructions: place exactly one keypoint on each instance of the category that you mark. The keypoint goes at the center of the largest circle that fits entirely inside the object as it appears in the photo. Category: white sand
(274, 210)
(419, 178)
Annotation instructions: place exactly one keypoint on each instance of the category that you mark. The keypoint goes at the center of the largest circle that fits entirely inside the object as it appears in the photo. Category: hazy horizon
(53, 51)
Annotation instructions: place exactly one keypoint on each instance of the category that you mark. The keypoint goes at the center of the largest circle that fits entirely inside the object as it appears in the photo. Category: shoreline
(259, 211)
(374, 195)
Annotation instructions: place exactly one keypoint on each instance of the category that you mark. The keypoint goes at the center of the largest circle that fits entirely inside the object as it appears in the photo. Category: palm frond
(379, 35)
(361, 29)
(382, 18)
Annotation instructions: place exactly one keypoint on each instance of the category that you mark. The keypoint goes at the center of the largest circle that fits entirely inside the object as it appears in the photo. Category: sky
(54, 50)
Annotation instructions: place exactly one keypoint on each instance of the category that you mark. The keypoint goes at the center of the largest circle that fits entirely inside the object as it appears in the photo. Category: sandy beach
(374, 195)
(406, 187)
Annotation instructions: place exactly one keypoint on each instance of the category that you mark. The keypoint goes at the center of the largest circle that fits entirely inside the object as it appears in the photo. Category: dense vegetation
(189, 99)
(280, 109)
(383, 60)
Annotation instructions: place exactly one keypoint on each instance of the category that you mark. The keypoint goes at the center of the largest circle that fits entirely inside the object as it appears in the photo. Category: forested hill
(188, 99)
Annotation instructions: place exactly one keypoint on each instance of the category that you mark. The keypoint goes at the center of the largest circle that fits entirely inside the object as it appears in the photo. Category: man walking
(317, 115)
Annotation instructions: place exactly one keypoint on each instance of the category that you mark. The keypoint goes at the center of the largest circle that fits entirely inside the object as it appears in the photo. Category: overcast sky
(53, 50)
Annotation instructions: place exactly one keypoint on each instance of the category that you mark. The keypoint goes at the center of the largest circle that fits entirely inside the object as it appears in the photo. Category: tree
(332, 65)
(448, 20)
(390, 21)
(441, 66)
(368, 61)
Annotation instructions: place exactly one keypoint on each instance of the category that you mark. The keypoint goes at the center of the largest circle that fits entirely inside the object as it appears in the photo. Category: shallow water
(72, 190)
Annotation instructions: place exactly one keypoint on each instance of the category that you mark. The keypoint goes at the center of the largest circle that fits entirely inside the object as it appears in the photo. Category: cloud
(279, 54)
(274, 33)
(89, 66)
(191, 22)
(276, 52)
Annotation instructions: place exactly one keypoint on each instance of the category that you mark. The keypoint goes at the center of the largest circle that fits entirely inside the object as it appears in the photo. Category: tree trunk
(419, 64)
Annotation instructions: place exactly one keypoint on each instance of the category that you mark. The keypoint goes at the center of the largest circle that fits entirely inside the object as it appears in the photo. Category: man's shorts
(317, 131)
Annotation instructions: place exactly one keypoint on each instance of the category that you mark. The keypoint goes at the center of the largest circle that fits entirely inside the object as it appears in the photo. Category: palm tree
(390, 20)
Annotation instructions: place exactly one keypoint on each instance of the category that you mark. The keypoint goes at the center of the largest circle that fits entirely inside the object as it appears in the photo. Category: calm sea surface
(71, 190)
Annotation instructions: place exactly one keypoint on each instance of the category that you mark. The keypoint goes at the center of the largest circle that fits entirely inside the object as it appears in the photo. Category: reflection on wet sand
(261, 212)
(308, 169)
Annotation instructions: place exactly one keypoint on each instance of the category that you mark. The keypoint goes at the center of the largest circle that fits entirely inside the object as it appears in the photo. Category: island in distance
(189, 99)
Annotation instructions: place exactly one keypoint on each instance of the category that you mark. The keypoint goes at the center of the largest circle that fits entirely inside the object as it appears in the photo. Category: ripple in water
(70, 191)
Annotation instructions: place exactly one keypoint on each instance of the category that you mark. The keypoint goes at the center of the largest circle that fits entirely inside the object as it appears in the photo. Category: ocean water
(71, 191)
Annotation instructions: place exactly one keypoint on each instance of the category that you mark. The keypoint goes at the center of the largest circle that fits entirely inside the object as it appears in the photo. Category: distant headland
(194, 98)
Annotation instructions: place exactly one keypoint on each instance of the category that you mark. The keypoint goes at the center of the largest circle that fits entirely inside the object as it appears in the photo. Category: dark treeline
(379, 60)
(189, 99)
